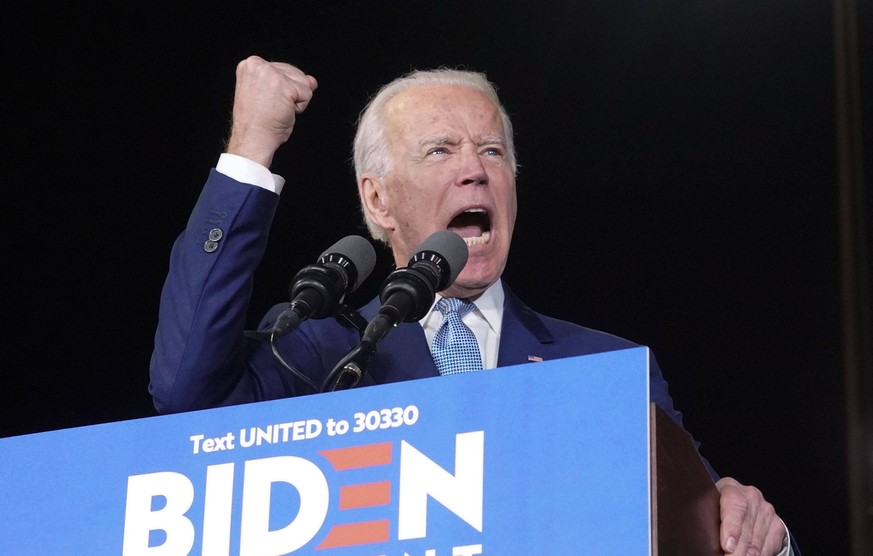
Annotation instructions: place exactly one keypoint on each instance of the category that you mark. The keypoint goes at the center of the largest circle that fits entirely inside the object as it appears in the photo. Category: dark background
(677, 187)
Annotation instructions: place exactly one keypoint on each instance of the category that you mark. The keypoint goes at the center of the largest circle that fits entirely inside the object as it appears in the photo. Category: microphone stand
(347, 317)
(351, 368)
(350, 318)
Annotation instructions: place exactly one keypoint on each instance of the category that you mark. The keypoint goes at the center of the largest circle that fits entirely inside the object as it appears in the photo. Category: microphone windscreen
(454, 251)
(357, 250)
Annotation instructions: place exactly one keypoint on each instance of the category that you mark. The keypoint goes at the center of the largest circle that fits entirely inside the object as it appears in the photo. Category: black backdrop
(677, 187)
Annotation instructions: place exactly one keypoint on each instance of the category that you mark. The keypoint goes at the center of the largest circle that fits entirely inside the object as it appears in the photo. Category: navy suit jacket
(203, 358)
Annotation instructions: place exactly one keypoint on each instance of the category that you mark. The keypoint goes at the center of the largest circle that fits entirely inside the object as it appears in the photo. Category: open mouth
(474, 225)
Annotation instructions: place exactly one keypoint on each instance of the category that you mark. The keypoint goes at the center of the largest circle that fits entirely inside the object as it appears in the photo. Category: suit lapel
(523, 334)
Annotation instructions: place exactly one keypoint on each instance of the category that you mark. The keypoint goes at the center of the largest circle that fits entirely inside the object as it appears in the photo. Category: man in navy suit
(434, 151)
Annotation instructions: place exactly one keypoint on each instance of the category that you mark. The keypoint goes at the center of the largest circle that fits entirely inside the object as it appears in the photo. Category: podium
(556, 457)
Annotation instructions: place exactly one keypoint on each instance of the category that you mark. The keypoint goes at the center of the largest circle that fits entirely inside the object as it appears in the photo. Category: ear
(376, 201)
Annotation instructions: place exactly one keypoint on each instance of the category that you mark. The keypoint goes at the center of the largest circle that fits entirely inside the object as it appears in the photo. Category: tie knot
(448, 305)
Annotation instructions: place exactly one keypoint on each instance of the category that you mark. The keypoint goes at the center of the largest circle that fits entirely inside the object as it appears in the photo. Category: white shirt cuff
(786, 546)
(248, 171)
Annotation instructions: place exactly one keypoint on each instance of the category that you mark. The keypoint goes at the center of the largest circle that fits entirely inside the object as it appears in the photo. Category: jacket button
(210, 246)
(215, 234)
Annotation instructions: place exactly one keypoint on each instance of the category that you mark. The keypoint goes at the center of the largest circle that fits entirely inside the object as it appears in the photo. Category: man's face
(449, 171)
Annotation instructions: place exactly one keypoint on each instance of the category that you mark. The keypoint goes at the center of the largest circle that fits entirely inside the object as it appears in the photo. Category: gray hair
(371, 152)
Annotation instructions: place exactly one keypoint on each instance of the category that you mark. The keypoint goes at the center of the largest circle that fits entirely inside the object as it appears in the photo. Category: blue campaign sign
(543, 458)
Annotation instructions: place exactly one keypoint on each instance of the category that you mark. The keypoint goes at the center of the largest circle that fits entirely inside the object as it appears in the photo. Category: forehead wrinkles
(443, 113)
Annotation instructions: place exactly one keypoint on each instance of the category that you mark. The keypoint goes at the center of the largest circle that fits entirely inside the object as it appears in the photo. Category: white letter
(313, 428)
(246, 443)
(139, 519)
(255, 535)
(461, 493)
(217, 507)
(196, 440)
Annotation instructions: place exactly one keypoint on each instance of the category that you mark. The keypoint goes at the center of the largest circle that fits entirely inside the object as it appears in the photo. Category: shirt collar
(489, 305)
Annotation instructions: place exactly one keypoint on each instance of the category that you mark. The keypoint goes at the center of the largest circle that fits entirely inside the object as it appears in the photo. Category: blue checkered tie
(455, 349)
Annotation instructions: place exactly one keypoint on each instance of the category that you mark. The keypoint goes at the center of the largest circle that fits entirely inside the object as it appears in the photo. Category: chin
(472, 283)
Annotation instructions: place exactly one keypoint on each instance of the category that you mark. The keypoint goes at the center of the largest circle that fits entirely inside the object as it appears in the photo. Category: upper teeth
(475, 210)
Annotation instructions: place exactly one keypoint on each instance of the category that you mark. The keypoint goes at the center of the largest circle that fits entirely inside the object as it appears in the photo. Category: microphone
(318, 290)
(406, 295)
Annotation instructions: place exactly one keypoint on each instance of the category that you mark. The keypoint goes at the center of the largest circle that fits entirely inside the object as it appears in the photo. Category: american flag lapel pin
(535, 358)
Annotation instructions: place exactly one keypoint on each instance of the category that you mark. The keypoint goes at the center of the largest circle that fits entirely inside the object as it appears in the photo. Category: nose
(472, 171)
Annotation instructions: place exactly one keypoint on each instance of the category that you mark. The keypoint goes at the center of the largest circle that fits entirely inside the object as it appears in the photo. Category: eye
(438, 150)
(492, 151)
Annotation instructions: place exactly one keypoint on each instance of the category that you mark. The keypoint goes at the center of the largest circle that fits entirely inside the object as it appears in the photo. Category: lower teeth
(481, 240)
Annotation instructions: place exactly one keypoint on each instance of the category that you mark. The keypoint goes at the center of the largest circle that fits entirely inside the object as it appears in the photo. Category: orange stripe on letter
(365, 496)
(352, 534)
(356, 457)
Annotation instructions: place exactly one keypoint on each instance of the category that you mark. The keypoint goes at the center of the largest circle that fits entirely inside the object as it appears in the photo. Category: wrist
(259, 150)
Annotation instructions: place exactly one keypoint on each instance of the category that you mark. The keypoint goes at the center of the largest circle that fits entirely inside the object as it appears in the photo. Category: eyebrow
(491, 141)
(443, 140)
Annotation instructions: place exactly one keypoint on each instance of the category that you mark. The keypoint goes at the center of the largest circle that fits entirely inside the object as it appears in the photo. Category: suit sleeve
(659, 394)
(199, 358)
